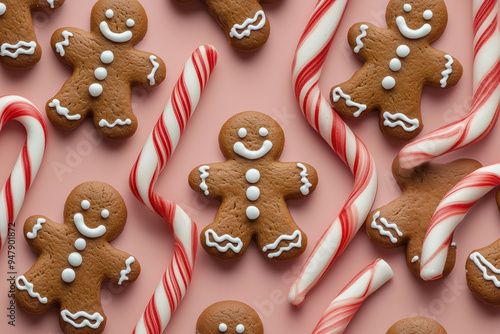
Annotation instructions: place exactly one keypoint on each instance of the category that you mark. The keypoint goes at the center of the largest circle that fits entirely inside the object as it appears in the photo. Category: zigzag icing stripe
(29, 287)
(275, 244)
(60, 45)
(359, 42)
(387, 225)
(36, 228)
(125, 272)
(484, 265)
(337, 93)
(446, 73)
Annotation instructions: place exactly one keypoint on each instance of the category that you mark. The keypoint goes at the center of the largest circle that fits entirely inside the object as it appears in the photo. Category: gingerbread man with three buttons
(399, 61)
(76, 257)
(253, 187)
(105, 66)
(19, 48)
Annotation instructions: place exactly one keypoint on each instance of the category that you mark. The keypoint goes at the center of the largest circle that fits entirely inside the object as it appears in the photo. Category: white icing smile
(240, 149)
(412, 33)
(87, 231)
(114, 36)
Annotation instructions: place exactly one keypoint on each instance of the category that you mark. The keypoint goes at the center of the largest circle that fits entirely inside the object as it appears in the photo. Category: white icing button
(428, 14)
(252, 175)
(100, 73)
(68, 275)
(107, 57)
(85, 204)
(263, 132)
(403, 51)
(242, 133)
(80, 244)
(407, 8)
(3, 8)
(95, 89)
(130, 23)
(253, 212)
(104, 213)
(388, 82)
(75, 259)
(222, 328)
(395, 64)
(253, 193)
(240, 328)
(109, 13)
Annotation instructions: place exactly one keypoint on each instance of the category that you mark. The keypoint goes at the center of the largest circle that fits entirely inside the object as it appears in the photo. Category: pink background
(259, 81)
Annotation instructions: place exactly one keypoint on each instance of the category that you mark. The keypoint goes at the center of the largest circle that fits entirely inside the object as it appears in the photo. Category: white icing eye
(242, 133)
(428, 14)
(222, 328)
(104, 213)
(130, 23)
(263, 132)
(407, 8)
(109, 13)
(240, 328)
(85, 204)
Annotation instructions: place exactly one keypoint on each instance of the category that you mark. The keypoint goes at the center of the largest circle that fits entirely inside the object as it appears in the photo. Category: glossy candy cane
(157, 151)
(343, 308)
(307, 66)
(485, 109)
(29, 160)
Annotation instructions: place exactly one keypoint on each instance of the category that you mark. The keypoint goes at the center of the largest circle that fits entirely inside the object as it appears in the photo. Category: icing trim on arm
(225, 237)
(36, 228)
(446, 73)
(337, 93)
(151, 76)
(126, 271)
(359, 42)
(60, 45)
(203, 176)
(275, 244)
(388, 225)
(248, 25)
(51, 3)
(19, 47)
(66, 315)
(412, 33)
(483, 265)
(29, 287)
(63, 111)
(305, 188)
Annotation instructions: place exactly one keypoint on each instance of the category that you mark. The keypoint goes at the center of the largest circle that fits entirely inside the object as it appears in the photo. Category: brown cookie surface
(105, 67)
(398, 62)
(405, 220)
(76, 257)
(229, 317)
(416, 325)
(19, 48)
(253, 187)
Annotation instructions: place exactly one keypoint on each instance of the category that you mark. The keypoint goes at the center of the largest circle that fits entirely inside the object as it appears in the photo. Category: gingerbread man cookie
(19, 47)
(399, 61)
(417, 325)
(253, 187)
(405, 220)
(76, 257)
(483, 271)
(244, 21)
(105, 66)
(229, 317)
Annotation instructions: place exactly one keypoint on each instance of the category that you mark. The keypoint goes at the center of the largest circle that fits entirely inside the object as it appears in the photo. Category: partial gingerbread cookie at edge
(229, 317)
(398, 62)
(244, 21)
(483, 271)
(405, 220)
(253, 187)
(416, 325)
(105, 67)
(19, 47)
(76, 257)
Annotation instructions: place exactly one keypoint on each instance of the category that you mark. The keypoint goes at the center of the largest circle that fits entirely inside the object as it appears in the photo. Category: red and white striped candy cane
(29, 160)
(485, 104)
(343, 308)
(157, 151)
(307, 66)
(449, 213)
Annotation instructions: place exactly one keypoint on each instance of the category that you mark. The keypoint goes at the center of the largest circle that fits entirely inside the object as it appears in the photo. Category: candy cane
(307, 66)
(29, 160)
(449, 213)
(343, 308)
(157, 151)
(485, 109)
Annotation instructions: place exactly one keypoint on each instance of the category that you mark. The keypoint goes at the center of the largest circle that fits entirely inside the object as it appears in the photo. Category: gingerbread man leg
(80, 313)
(401, 121)
(114, 119)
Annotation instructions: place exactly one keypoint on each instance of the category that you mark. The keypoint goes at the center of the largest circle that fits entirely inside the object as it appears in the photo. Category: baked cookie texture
(229, 317)
(253, 187)
(416, 325)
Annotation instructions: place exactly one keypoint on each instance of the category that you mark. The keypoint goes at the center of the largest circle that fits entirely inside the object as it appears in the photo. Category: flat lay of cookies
(249, 166)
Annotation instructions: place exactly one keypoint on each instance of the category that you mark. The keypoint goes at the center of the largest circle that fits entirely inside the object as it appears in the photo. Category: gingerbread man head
(229, 317)
(251, 136)
(119, 24)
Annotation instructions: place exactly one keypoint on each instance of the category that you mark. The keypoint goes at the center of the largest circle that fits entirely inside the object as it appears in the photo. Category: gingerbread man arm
(299, 179)
(45, 4)
(39, 231)
(212, 180)
(363, 38)
(121, 268)
(444, 70)
(150, 70)
(69, 44)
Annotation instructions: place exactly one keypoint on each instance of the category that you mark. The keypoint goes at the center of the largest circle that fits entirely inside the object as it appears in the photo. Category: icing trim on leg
(225, 237)
(399, 119)
(69, 317)
(275, 244)
(483, 265)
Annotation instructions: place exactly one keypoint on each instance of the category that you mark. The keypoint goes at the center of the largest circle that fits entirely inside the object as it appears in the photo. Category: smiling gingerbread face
(229, 317)
(251, 136)
(118, 23)
(417, 19)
